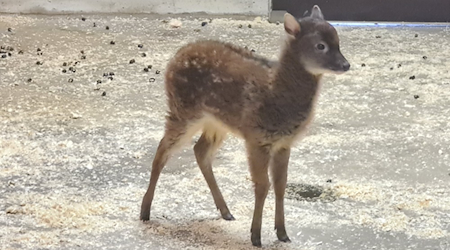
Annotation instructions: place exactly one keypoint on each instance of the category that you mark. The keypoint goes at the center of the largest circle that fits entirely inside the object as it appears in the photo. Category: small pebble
(64, 64)
(38, 63)
(204, 23)
(416, 35)
(150, 66)
(425, 57)
(71, 69)
(399, 65)
(83, 19)
(104, 93)
(132, 61)
(140, 46)
(20, 52)
(4, 56)
(9, 54)
(64, 71)
(111, 78)
(94, 25)
(152, 79)
(329, 180)
(143, 55)
(70, 80)
(29, 80)
(112, 42)
(146, 69)
(105, 74)
(363, 65)
(240, 26)
(392, 68)
(412, 77)
(196, 30)
(83, 57)
(107, 27)
(377, 36)
(38, 49)
(111, 73)
(157, 72)
(416, 96)
(253, 50)
(82, 51)
(9, 30)
(99, 81)
(250, 26)
(10, 48)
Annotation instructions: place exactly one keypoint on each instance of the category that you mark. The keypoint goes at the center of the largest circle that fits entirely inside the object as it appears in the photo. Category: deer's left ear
(316, 12)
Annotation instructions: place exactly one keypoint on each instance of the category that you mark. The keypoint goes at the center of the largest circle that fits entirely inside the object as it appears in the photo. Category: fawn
(218, 88)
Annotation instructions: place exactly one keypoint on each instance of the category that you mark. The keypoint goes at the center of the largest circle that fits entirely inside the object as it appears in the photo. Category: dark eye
(320, 46)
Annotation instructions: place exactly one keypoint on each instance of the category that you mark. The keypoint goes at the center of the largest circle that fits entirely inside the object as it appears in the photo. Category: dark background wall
(372, 10)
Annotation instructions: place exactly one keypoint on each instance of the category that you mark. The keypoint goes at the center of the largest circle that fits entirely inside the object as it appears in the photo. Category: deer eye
(320, 46)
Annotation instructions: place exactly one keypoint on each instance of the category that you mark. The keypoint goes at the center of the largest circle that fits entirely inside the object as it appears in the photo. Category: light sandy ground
(74, 164)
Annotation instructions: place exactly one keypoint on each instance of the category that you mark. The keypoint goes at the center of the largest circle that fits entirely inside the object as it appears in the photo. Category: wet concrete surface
(75, 155)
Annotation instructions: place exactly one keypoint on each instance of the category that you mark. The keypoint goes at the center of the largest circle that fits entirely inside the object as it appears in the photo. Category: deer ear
(291, 25)
(316, 12)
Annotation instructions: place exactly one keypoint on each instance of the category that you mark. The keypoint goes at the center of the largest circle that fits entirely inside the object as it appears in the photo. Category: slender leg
(258, 158)
(279, 168)
(205, 150)
(171, 140)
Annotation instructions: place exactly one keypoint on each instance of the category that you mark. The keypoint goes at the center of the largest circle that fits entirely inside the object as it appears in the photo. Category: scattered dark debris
(29, 80)
(83, 57)
(412, 77)
(9, 48)
(110, 78)
(72, 69)
(104, 93)
(392, 68)
(38, 50)
(249, 26)
(253, 51)
(64, 64)
(143, 54)
(311, 193)
(83, 19)
(107, 27)
(9, 54)
(70, 80)
(329, 181)
(204, 24)
(145, 69)
(377, 36)
(140, 46)
(150, 66)
(111, 73)
(82, 51)
(196, 30)
(424, 57)
(99, 81)
(132, 61)
(399, 65)
(94, 25)
(77, 62)
(105, 74)
(277, 23)
(4, 56)
(112, 42)
(20, 52)
(363, 65)
(9, 30)
(157, 72)
(152, 79)
(64, 71)
(416, 35)
(39, 63)
(416, 96)
(240, 26)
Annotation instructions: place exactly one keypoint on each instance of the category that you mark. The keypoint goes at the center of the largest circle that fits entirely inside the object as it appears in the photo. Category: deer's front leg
(258, 158)
(279, 169)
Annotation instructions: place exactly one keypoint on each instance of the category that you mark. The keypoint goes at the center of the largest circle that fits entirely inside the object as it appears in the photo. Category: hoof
(145, 215)
(228, 217)
(282, 236)
(256, 240)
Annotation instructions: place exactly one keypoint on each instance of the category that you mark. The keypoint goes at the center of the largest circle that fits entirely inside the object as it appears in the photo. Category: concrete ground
(75, 155)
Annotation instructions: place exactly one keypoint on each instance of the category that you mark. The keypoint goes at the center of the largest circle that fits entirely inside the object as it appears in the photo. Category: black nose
(346, 66)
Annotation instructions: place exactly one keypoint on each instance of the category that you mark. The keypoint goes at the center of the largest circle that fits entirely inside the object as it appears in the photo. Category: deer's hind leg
(205, 150)
(176, 134)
